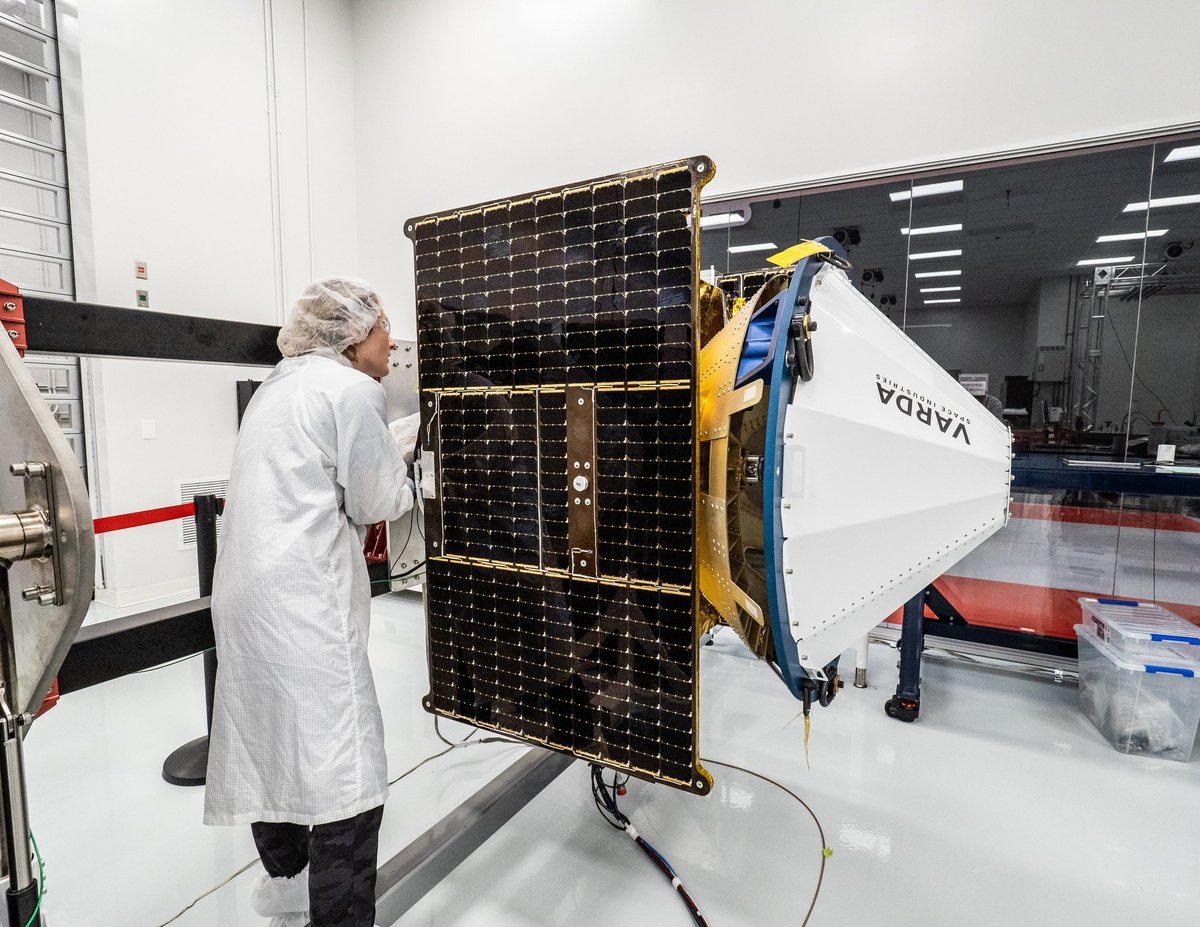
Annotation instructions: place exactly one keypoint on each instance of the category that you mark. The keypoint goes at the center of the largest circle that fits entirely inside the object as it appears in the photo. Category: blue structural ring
(779, 393)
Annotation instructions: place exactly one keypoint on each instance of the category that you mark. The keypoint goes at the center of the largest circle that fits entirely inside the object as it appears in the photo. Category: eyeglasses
(384, 324)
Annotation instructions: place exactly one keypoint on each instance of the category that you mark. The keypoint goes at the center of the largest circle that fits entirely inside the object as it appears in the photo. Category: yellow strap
(789, 256)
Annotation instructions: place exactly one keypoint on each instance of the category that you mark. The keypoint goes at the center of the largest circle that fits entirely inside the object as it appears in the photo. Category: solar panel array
(556, 339)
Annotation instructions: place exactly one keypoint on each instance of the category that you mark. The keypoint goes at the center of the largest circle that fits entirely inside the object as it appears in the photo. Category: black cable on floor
(605, 796)
(826, 852)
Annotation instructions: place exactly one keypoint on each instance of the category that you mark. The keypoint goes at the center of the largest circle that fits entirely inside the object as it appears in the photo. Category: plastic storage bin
(1139, 629)
(1147, 708)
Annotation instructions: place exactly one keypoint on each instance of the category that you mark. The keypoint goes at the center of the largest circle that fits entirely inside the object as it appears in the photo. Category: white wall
(461, 100)
(238, 181)
(219, 143)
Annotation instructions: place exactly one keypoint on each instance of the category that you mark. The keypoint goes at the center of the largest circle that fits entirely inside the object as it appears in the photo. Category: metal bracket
(581, 479)
(34, 534)
(800, 351)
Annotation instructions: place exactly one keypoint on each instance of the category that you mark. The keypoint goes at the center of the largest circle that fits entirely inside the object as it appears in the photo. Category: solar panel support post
(417, 869)
(188, 765)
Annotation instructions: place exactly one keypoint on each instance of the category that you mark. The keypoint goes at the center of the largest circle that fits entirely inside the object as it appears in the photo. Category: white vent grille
(188, 490)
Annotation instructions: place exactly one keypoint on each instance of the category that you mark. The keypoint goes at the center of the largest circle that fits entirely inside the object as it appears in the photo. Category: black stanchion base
(21, 905)
(189, 764)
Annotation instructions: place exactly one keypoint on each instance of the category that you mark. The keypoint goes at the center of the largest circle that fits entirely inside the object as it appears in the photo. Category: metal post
(860, 662)
(905, 705)
(23, 889)
(188, 765)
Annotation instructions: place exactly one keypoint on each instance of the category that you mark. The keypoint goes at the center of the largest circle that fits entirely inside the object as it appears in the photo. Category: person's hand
(404, 433)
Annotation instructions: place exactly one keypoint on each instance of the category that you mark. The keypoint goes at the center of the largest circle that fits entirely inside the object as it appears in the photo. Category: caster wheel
(902, 709)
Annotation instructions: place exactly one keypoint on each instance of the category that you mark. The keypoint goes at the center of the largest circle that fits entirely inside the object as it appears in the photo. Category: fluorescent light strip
(927, 189)
(933, 302)
(926, 255)
(940, 289)
(723, 220)
(1093, 262)
(1164, 201)
(764, 246)
(932, 229)
(1191, 152)
(938, 273)
(1132, 236)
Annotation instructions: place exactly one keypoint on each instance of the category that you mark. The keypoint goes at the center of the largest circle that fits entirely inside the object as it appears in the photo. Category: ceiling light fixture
(933, 229)
(926, 255)
(934, 302)
(940, 289)
(1093, 262)
(1160, 201)
(927, 189)
(762, 246)
(1183, 154)
(1132, 236)
(938, 273)
(723, 220)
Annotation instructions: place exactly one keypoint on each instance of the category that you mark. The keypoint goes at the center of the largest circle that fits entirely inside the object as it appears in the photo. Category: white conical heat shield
(892, 472)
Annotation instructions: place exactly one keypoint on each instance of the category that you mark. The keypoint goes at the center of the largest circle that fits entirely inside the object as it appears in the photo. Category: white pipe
(860, 662)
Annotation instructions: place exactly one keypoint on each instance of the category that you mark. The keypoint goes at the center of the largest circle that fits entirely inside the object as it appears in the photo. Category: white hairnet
(330, 316)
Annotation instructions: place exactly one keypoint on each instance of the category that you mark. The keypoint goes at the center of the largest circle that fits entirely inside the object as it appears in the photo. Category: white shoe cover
(282, 898)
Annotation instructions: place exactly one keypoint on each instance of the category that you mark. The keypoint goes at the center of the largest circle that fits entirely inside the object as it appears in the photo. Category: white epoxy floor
(1000, 806)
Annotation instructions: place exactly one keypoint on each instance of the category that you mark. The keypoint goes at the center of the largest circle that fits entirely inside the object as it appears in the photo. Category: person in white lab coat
(297, 749)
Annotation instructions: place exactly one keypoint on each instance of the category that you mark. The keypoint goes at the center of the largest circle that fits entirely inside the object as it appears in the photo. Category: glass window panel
(37, 126)
(23, 197)
(34, 12)
(37, 273)
(34, 162)
(1165, 391)
(29, 235)
(26, 85)
(32, 48)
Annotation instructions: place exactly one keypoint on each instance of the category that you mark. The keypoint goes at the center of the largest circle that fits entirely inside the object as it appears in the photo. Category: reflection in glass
(1065, 290)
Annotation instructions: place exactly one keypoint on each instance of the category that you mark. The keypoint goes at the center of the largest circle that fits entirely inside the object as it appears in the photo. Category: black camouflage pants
(341, 859)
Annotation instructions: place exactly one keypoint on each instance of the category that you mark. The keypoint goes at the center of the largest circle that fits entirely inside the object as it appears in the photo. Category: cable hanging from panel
(605, 796)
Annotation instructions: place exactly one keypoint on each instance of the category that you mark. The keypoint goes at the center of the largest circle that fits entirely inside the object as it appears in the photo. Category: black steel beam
(112, 649)
(1001, 637)
(60, 326)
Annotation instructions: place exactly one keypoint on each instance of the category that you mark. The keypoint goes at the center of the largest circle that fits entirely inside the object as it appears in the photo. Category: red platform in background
(1071, 535)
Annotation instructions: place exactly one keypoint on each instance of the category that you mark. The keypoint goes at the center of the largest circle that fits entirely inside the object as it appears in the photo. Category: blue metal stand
(905, 705)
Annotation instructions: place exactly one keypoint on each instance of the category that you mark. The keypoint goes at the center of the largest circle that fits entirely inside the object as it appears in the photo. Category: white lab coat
(297, 734)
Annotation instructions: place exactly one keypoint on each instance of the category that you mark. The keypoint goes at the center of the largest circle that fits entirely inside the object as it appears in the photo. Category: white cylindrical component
(860, 663)
(580, 483)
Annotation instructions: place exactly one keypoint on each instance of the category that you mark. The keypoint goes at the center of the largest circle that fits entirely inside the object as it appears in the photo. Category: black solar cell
(556, 354)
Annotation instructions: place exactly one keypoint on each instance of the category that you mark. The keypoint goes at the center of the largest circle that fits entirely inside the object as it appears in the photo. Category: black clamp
(800, 351)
